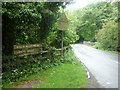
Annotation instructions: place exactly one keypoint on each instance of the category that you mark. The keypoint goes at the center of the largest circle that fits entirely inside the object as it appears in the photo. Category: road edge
(93, 83)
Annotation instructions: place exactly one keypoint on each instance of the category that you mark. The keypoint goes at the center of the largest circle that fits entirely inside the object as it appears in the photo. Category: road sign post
(63, 23)
(62, 45)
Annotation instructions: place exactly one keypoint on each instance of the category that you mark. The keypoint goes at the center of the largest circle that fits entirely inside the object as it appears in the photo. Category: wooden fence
(90, 43)
(32, 49)
(27, 49)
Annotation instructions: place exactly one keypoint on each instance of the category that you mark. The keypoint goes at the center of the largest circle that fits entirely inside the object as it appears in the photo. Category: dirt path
(29, 84)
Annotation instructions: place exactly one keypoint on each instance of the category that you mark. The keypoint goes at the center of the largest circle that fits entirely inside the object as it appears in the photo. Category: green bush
(23, 67)
(54, 38)
(108, 36)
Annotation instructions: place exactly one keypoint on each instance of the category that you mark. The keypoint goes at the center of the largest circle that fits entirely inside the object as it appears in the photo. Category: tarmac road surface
(102, 64)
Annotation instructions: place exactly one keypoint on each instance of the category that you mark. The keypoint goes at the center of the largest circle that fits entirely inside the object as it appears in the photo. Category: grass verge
(64, 76)
(69, 74)
(97, 46)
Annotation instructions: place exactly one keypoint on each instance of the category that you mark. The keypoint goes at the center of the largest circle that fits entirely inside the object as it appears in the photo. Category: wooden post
(62, 25)
(62, 44)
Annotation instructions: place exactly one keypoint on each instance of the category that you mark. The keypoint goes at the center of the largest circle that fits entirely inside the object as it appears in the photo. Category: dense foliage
(98, 20)
(19, 68)
(92, 17)
(25, 23)
(108, 36)
(31, 23)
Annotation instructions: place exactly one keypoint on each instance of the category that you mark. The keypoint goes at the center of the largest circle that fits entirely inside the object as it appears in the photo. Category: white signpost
(63, 23)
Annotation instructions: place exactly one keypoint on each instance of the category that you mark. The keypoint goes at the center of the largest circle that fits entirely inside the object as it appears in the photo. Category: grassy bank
(69, 74)
(97, 46)
(64, 76)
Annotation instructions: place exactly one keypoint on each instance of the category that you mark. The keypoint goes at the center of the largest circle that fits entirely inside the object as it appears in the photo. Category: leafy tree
(92, 16)
(108, 36)
(25, 23)
(29, 23)
(19, 21)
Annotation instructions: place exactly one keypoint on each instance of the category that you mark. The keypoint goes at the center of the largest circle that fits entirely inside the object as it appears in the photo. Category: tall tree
(92, 17)
(25, 22)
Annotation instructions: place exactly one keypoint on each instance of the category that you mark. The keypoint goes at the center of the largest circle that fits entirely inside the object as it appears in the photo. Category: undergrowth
(98, 46)
(16, 69)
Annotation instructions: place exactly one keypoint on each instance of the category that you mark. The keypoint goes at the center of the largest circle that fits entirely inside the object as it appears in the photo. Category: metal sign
(63, 22)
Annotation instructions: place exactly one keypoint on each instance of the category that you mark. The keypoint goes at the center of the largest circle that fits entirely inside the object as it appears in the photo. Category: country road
(103, 65)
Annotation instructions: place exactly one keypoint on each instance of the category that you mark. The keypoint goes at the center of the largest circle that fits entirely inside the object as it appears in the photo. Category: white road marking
(88, 75)
(108, 83)
(112, 61)
(116, 62)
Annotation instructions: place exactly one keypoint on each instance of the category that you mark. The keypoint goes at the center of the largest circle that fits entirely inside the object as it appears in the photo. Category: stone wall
(90, 43)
